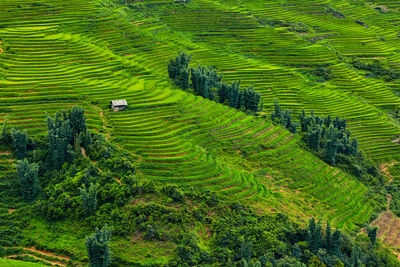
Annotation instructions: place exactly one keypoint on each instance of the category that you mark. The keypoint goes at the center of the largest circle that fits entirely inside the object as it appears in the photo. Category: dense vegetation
(98, 184)
(338, 58)
(207, 83)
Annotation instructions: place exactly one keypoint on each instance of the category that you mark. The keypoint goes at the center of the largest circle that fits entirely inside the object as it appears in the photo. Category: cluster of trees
(376, 70)
(320, 73)
(178, 70)
(66, 131)
(330, 136)
(333, 143)
(90, 187)
(27, 172)
(207, 82)
(284, 117)
(99, 190)
(322, 134)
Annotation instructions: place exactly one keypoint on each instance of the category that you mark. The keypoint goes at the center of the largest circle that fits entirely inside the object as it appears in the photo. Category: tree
(288, 262)
(89, 199)
(246, 247)
(372, 233)
(314, 235)
(284, 117)
(315, 262)
(178, 70)
(28, 177)
(77, 120)
(336, 243)
(188, 250)
(328, 238)
(20, 141)
(98, 247)
(64, 131)
(4, 132)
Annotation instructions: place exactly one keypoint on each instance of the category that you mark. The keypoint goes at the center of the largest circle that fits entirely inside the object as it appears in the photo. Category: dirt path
(11, 210)
(52, 262)
(389, 198)
(42, 255)
(384, 167)
(47, 253)
(104, 120)
(83, 152)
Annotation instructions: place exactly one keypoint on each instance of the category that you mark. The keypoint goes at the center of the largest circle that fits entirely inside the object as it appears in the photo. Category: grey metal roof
(121, 102)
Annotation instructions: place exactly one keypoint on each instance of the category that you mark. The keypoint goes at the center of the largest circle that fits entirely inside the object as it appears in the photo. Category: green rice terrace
(174, 151)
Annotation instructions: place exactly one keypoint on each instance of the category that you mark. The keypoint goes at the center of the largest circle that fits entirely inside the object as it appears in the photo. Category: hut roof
(121, 102)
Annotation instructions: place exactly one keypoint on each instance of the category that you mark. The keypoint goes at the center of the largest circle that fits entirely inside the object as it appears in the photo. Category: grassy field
(55, 55)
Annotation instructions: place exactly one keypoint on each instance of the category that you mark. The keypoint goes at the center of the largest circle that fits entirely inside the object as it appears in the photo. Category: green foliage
(173, 192)
(335, 145)
(299, 27)
(314, 235)
(376, 70)
(65, 131)
(178, 70)
(89, 199)
(28, 177)
(207, 83)
(323, 73)
(4, 132)
(204, 80)
(20, 142)
(284, 117)
(98, 247)
(372, 233)
(206, 227)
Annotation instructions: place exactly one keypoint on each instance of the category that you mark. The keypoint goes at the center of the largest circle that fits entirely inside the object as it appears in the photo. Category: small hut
(118, 104)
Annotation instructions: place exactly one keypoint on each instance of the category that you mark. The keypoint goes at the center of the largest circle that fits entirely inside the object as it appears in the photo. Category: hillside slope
(57, 55)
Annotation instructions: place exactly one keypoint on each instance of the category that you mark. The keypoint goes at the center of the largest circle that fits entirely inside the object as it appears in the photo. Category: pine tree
(277, 110)
(4, 132)
(64, 130)
(77, 120)
(178, 70)
(314, 235)
(296, 252)
(355, 257)
(372, 233)
(336, 243)
(328, 121)
(303, 121)
(246, 249)
(89, 199)
(28, 178)
(20, 141)
(353, 147)
(98, 247)
(328, 238)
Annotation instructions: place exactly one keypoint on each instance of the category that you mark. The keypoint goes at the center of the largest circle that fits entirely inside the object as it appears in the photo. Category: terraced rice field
(60, 55)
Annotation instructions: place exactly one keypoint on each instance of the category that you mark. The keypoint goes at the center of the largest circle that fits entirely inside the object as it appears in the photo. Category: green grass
(17, 263)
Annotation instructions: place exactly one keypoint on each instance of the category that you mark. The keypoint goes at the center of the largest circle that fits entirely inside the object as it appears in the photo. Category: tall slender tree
(98, 247)
(89, 199)
(20, 142)
(28, 178)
